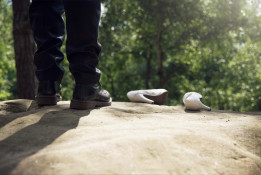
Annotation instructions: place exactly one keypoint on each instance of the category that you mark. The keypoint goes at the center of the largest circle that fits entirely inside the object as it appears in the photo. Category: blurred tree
(8, 85)
(24, 48)
(178, 45)
(208, 46)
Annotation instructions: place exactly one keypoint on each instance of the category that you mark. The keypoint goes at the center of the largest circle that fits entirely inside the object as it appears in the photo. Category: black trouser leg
(82, 47)
(48, 28)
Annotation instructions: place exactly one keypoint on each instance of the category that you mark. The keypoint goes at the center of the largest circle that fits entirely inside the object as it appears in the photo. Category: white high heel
(192, 102)
(152, 96)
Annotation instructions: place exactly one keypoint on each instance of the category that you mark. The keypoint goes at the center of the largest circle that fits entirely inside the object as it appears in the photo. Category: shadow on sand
(21, 145)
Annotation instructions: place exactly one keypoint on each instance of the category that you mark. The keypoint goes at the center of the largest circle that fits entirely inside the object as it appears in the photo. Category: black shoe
(49, 93)
(89, 97)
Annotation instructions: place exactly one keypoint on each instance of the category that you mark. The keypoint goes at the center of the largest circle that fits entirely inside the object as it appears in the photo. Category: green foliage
(208, 46)
(68, 80)
(7, 64)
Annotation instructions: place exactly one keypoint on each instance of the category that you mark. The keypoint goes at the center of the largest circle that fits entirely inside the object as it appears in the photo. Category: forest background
(208, 46)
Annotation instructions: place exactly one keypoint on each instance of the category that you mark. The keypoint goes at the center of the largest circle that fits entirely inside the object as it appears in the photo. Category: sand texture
(126, 138)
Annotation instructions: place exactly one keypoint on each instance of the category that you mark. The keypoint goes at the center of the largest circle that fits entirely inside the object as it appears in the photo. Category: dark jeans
(82, 47)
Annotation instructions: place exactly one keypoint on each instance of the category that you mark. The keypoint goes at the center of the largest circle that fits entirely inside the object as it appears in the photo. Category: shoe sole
(47, 100)
(159, 99)
(83, 105)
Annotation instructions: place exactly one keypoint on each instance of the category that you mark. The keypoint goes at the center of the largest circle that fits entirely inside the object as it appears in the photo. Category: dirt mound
(127, 138)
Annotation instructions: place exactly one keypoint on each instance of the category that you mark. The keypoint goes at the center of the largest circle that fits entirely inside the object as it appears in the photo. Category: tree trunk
(148, 57)
(160, 57)
(159, 51)
(24, 48)
(148, 72)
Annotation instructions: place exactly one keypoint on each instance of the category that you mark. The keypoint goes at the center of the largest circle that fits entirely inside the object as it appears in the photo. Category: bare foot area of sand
(126, 138)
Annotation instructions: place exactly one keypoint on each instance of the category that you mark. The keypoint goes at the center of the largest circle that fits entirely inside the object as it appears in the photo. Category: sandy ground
(126, 138)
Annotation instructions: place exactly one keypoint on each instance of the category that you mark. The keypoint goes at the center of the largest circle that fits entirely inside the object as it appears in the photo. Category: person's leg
(49, 30)
(82, 48)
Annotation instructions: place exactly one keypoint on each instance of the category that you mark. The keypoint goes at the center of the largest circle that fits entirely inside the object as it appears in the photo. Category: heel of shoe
(159, 99)
(46, 100)
(82, 105)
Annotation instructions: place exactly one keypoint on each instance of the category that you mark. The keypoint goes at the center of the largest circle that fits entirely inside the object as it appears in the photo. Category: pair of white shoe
(192, 100)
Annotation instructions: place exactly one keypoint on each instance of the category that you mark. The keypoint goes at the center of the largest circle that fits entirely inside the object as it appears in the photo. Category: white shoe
(153, 96)
(192, 102)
